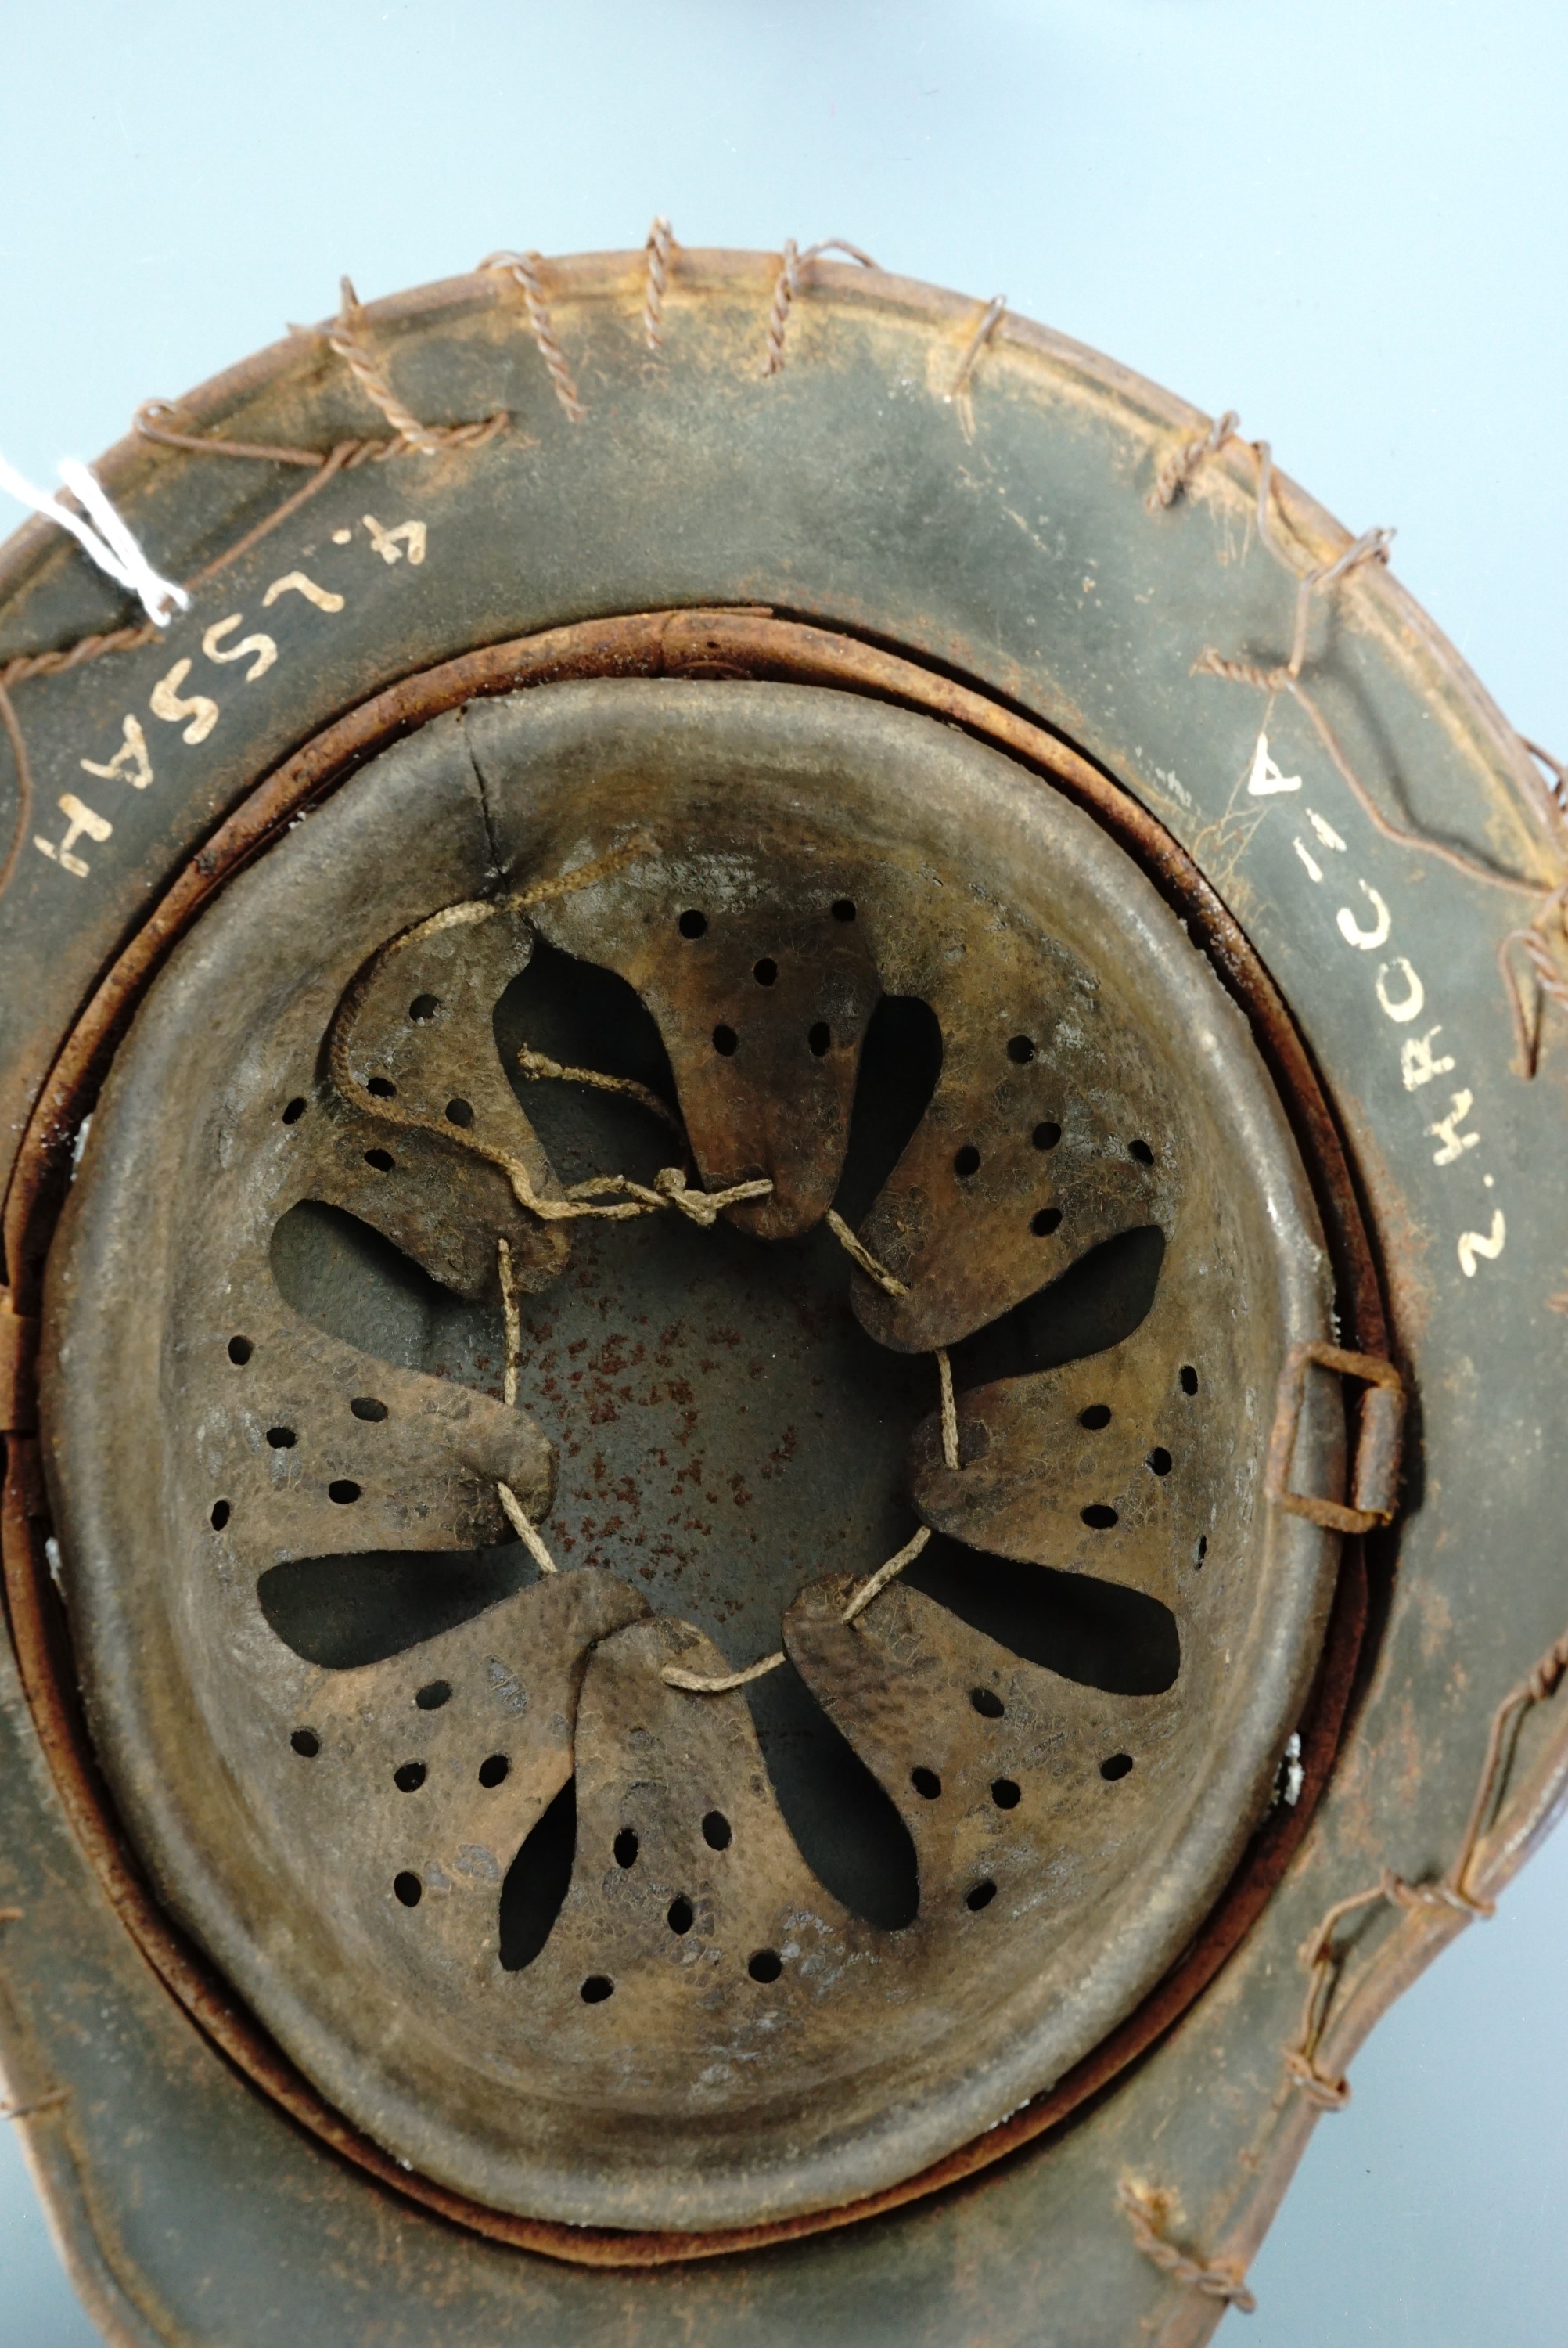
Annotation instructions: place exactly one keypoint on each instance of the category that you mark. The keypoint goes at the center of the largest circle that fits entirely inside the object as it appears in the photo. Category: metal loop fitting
(1375, 1475)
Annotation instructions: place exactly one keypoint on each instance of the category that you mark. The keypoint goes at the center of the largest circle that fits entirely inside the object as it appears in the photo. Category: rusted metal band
(1375, 1477)
(18, 1350)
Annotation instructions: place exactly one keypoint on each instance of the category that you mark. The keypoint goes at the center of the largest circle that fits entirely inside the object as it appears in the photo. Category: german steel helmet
(776, 1081)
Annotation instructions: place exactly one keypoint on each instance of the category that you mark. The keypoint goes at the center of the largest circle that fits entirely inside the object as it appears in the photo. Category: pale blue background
(1345, 219)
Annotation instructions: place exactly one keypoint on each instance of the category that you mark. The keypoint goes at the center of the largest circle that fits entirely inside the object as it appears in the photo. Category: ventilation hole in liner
(1097, 1633)
(537, 1881)
(1095, 1303)
(900, 1061)
(844, 1824)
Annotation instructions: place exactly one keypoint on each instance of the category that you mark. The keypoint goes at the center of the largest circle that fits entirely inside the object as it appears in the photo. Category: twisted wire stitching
(149, 425)
(344, 338)
(1535, 939)
(790, 283)
(1542, 943)
(1452, 1892)
(1557, 789)
(1184, 463)
(526, 271)
(989, 320)
(33, 2105)
(659, 245)
(1148, 2212)
(1541, 949)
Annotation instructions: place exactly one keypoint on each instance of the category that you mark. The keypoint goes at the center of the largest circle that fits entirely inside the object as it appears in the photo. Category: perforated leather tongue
(761, 987)
(1114, 1464)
